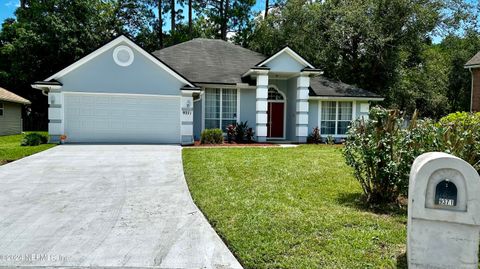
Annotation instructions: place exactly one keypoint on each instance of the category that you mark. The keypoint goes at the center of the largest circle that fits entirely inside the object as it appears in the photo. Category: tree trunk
(190, 18)
(221, 19)
(172, 5)
(160, 24)
(266, 9)
(225, 20)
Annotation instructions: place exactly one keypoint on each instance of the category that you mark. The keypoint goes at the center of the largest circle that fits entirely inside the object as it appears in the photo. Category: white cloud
(12, 3)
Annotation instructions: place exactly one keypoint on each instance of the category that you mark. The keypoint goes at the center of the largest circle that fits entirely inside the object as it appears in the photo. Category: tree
(266, 9)
(47, 36)
(226, 16)
(190, 24)
(173, 16)
(160, 24)
(373, 44)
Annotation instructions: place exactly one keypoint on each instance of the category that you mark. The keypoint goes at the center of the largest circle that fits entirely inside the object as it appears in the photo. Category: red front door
(275, 115)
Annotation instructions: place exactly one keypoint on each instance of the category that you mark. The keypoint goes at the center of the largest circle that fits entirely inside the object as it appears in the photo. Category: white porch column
(301, 117)
(261, 106)
(186, 118)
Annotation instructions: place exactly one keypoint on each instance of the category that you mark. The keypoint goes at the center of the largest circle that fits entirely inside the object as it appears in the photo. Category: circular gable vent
(123, 55)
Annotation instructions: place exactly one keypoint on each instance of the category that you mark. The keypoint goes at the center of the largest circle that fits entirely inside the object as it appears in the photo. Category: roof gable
(474, 61)
(11, 97)
(283, 56)
(117, 41)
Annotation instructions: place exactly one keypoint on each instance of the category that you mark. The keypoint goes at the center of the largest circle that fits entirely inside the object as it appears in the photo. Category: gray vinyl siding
(102, 74)
(197, 119)
(11, 121)
(291, 108)
(360, 114)
(312, 115)
(248, 106)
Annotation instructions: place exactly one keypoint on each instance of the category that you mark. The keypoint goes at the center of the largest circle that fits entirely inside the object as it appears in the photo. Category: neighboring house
(121, 93)
(474, 66)
(11, 112)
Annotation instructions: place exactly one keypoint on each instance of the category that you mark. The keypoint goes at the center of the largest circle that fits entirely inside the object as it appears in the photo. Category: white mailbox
(443, 213)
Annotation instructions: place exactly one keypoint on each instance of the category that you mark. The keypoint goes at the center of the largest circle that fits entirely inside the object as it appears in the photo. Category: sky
(7, 7)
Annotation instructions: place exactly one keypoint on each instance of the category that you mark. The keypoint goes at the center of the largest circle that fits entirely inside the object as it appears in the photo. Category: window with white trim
(220, 108)
(336, 116)
(1, 109)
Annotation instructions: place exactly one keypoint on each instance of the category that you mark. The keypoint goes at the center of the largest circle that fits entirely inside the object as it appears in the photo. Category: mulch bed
(233, 144)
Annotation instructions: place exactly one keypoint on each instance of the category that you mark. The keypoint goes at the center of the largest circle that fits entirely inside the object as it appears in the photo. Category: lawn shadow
(402, 261)
(357, 201)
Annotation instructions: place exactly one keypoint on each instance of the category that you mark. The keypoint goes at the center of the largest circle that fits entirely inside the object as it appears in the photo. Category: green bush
(34, 139)
(315, 137)
(240, 132)
(382, 149)
(211, 136)
(373, 148)
(460, 136)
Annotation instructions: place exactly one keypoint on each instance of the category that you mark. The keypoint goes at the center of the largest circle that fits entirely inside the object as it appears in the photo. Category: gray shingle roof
(11, 97)
(475, 60)
(321, 86)
(218, 61)
(210, 60)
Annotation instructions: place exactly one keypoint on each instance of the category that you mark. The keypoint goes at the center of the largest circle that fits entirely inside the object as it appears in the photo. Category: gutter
(345, 98)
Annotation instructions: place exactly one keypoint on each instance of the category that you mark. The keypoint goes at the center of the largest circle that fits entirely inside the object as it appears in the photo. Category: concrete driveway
(104, 206)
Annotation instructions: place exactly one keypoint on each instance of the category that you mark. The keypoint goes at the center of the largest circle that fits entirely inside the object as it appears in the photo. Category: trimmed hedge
(211, 136)
(34, 139)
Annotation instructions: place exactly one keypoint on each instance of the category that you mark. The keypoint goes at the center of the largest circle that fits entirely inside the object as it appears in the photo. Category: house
(11, 112)
(121, 93)
(474, 66)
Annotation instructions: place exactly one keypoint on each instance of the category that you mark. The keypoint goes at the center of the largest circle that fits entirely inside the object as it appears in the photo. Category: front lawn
(292, 208)
(10, 149)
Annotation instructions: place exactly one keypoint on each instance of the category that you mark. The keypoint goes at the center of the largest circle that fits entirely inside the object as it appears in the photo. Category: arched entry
(276, 114)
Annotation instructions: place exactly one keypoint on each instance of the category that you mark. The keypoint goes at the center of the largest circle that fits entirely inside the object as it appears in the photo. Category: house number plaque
(446, 193)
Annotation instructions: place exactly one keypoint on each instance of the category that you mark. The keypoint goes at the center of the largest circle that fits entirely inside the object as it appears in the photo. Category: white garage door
(122, 118)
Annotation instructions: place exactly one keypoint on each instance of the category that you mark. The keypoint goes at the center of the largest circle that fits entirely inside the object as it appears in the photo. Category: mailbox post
(443, 213)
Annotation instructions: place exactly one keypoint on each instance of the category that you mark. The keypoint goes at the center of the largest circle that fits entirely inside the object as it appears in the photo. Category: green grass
(292, 208)
(10, 149)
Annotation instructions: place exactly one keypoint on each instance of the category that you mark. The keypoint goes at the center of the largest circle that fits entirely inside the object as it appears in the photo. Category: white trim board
(290, 52)
(122, 94)
(110, 45)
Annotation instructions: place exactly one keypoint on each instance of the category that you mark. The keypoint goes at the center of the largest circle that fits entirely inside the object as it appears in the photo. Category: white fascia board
(45, 87)
(110, 45)
(340, 98)
(290, 52)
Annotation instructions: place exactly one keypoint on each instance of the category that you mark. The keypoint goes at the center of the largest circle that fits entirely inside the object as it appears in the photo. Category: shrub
(240, 131)
(250, 135)
(459, 135)
(315, 137)
(34, 139)
(382, 149)
(330, 140)
(230, 132)
(211, 136)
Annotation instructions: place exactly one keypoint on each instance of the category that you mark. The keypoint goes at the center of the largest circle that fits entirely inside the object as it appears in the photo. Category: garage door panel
(122, 118)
